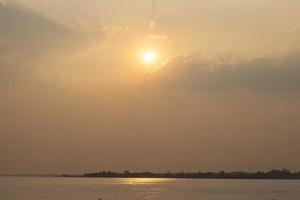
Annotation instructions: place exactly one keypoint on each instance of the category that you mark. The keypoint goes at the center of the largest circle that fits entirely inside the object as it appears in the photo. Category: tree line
(272, 174)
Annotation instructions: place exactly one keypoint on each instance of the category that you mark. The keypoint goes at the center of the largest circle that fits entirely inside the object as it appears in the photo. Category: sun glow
(149, 57)
(145, 181)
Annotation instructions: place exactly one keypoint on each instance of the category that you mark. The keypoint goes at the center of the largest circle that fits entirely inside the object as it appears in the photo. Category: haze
(75, 96)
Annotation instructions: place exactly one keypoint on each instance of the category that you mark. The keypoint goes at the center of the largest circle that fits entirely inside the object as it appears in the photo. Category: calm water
(16, 188)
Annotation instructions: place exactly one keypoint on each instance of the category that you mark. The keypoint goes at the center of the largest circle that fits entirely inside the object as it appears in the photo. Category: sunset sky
(119, 85)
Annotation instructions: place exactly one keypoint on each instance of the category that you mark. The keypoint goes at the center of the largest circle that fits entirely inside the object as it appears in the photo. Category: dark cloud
(221, 72)
(29, 40)
(29, 32)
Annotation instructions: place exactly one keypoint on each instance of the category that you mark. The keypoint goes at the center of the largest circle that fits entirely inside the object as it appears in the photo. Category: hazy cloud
(31, 43)
(3, 2)
(215, 72)
(157, 37)
(110, 30)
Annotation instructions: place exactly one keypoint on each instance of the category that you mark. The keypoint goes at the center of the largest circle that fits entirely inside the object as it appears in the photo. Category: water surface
(28, 188)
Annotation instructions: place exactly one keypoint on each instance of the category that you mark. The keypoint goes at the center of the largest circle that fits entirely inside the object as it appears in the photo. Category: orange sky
(76, 95)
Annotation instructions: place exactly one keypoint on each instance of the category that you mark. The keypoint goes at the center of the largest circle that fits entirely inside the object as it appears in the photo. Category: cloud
(157, 37)
(220, 72)
(29, 32)
(111, 31)
(30, 43)
(3, 3)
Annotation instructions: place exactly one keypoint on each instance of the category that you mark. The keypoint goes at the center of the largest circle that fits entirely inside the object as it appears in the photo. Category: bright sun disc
(149, 57)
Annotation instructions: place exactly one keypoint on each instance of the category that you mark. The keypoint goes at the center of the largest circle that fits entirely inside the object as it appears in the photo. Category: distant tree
(126, 172)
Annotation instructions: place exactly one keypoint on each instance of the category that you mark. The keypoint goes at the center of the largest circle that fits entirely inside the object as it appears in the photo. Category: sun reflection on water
(144, 181)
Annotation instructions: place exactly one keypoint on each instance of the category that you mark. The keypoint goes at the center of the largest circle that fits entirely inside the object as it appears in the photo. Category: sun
(149, 57)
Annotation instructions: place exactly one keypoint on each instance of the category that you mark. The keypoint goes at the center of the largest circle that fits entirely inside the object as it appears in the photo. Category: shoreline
(273, 174)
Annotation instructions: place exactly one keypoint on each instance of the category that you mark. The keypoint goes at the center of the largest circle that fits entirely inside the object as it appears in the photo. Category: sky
(76, 95)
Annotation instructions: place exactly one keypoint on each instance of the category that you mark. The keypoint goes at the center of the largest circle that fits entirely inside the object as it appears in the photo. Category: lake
(29, 188)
